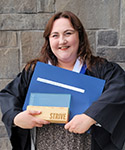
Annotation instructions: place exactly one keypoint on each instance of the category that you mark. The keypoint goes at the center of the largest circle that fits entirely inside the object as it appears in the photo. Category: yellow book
(52, 114)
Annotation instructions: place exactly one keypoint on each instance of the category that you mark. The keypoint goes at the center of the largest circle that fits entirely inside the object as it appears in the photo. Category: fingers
(67, 126)
(34, 112)
(37, 122)
(41, 121)
(78, 124)
(39, 125)
(70, 127)
(27, 119)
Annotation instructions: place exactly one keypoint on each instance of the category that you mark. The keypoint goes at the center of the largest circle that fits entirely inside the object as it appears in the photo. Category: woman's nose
(62, 40)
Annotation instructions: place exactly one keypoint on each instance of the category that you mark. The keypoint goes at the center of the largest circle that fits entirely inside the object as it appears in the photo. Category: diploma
(84, 89)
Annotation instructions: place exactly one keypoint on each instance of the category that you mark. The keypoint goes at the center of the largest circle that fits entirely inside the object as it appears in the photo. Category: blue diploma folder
(84, 89)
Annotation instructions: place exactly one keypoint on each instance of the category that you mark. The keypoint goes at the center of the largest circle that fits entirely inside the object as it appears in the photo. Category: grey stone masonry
(31, 42)
(17, 6)
(8, 39)
(9, 58)
(122, 29)
(4, 140)
(94, 14)
(22, 23)
(112, 54)
(92, 39)
(45, 6)
(107, 38)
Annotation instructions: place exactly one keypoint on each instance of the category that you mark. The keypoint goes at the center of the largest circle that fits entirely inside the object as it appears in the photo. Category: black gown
(108, 110)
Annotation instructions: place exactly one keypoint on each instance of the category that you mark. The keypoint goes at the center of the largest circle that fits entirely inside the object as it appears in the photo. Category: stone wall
(22, 24)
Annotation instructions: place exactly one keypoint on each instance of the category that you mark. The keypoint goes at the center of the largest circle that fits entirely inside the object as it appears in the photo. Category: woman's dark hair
(84, 51)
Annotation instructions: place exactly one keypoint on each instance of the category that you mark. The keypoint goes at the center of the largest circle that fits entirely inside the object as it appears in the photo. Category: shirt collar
(78, 66)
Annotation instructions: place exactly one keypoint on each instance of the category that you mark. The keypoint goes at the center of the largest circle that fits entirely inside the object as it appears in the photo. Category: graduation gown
(108, 110)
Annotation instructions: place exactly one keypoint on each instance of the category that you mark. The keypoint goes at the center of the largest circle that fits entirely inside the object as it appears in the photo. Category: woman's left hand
(80, 124)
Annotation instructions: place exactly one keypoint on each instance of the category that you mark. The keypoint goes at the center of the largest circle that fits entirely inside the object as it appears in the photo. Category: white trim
(61, 85)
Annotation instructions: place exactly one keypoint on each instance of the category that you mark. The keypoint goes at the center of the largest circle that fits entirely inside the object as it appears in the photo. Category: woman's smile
(64, 47)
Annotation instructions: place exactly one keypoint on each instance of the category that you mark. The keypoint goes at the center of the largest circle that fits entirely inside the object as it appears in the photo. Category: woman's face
(64, 40)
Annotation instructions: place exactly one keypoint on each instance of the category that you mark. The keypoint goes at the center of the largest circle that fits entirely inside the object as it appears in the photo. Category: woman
(66, 46)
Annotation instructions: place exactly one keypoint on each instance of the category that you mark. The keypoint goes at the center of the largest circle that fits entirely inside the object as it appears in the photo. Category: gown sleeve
(109, 109)
(12, 98)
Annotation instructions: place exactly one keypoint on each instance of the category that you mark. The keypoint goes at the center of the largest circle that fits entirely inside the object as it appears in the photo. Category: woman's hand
(80, 124)
(27, 119)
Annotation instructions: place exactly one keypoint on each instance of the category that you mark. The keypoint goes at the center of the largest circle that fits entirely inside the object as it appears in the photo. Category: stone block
(92, 40)
(122, 65)
(45, 5)
(3, 132)
(8, 39)
(112, 54)
(94, 14)
(4, 82)
(32, 43)
(122, 33)
(5, 144)
(4, 140)
(18, 6)
(9, 60)
(107, 38)
(23, 21)
(123, 147)
(1, 123)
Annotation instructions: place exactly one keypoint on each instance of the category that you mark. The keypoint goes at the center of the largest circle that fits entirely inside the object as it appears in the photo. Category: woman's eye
(68, 33)
(55, 35)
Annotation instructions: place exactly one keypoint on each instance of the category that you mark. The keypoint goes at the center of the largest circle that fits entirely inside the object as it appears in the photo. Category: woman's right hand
(27, 119)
